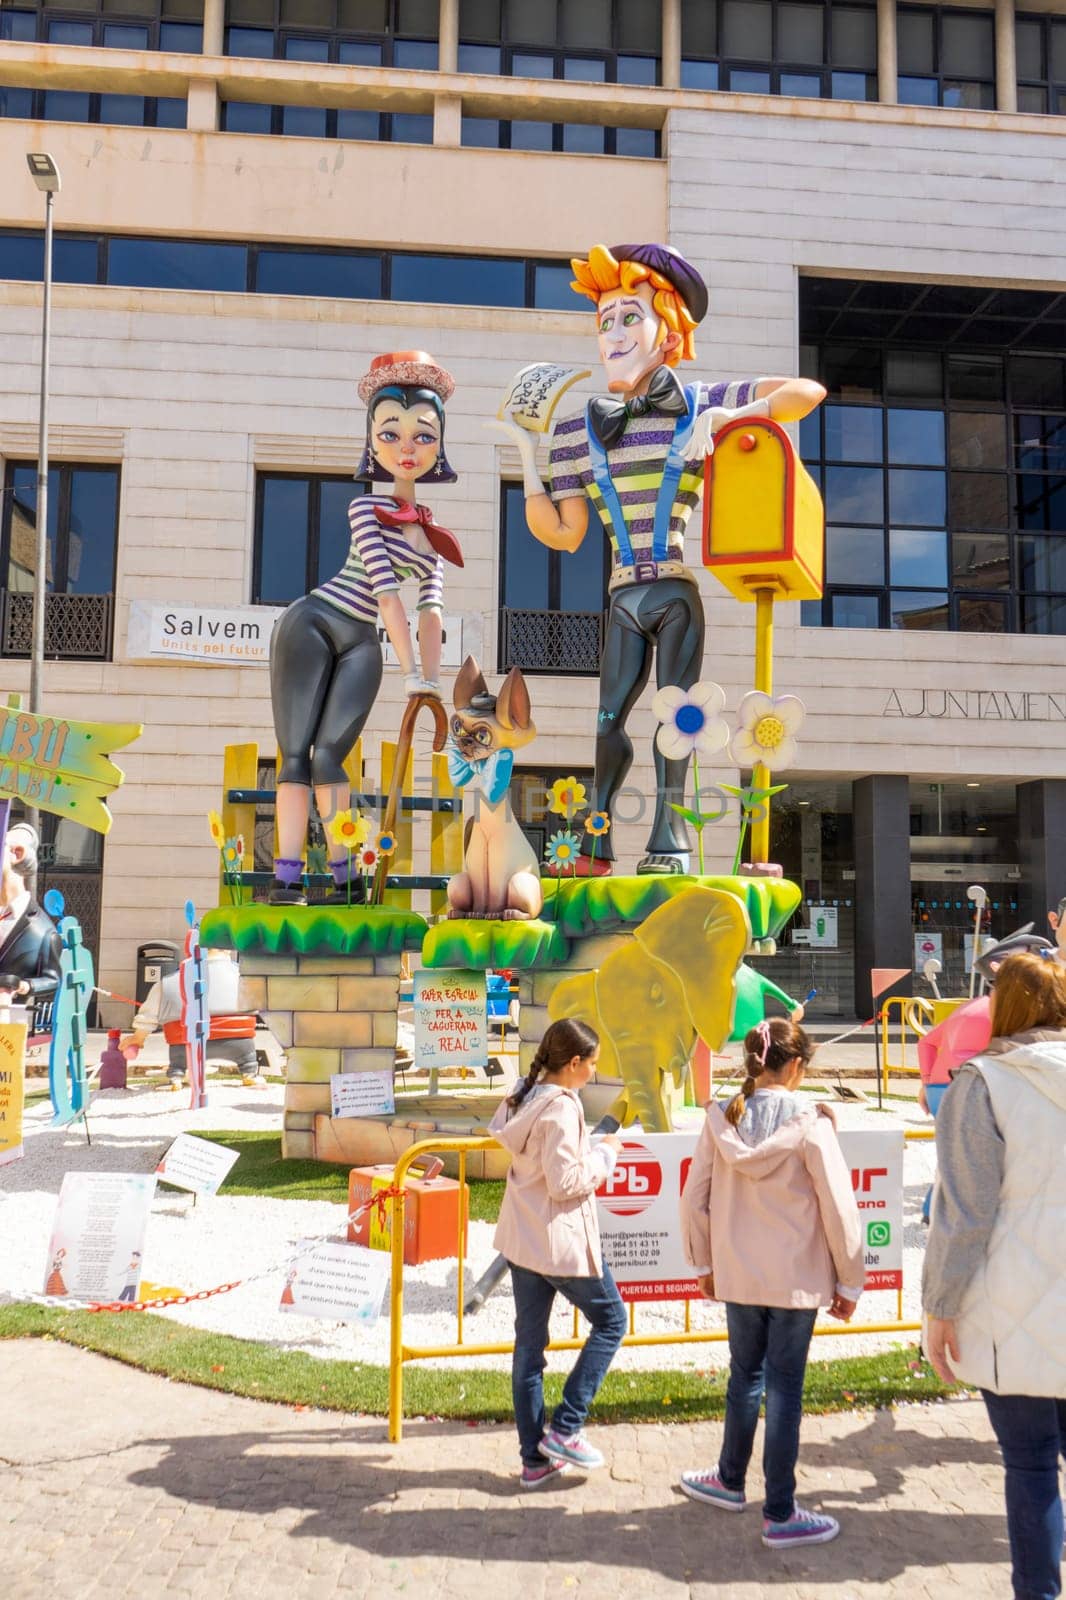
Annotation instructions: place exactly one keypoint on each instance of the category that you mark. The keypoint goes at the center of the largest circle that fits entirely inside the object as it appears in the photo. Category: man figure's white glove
(709, 422)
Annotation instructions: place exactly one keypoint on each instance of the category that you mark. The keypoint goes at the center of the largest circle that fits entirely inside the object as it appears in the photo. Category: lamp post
(45, 175)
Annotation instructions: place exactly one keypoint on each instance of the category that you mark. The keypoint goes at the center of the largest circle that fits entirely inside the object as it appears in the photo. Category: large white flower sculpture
(690, 719)
(766, 730)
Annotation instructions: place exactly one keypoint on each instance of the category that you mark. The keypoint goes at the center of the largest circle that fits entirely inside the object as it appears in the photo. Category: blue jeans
(1032, 1435)
(767, 1351)
(934, 1093)
(599, 1301)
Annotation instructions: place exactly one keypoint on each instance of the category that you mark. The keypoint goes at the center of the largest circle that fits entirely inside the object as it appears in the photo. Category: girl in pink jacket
(770, 1223)
(549, 1232)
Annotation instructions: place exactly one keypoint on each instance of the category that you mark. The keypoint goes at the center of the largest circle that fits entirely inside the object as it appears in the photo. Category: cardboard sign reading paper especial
(451, 1019)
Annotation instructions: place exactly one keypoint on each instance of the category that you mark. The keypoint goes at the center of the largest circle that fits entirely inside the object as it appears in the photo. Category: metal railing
(400, 1353)
(915, 1017)
(551, 641)
(77, 627)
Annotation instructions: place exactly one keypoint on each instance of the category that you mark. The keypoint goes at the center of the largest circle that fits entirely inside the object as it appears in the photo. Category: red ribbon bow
(441, 540)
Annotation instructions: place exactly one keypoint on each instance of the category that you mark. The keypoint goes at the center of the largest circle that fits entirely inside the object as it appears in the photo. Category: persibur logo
(635, 1182)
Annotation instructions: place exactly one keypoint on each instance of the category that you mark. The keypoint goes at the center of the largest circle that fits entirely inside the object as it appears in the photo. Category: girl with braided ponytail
(549, 1233)
(770, 1223)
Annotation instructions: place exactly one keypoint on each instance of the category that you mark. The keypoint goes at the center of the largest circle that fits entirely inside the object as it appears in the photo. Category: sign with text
(362, 1094)
(221, 635)
(928, 947)
(451, 1019)
(536, 391)
(12, 1080)
(60, 766)
(822, 933)
(451, 644)
(342, 1282)
(638, 1211)
(876, 1162)
(196, 1164)
(97, 1244)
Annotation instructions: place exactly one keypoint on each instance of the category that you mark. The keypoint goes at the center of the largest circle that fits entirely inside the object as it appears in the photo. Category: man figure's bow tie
(664, 395)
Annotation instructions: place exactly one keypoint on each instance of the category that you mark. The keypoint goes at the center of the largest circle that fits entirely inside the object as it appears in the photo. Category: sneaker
(573, 1448)
(253, 1083)
(540, 1477)
(802, 1527)
(708, 1487)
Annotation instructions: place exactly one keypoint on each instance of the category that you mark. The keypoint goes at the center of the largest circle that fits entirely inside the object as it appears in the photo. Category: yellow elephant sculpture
(650, 1000)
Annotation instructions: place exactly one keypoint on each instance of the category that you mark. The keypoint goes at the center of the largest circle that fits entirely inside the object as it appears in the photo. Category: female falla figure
(325, 658)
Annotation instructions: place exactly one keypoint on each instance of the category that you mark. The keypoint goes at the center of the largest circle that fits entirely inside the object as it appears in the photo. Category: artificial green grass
(480, 944)
(262, 1372)
(260, 1170)
(313, 930)
(585, 906)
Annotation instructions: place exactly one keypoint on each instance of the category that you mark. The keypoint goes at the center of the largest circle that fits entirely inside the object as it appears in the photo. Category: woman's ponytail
(768, 1047)
(563, 1041)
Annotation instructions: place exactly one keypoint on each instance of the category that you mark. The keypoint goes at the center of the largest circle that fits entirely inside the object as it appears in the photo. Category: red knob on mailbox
(747, 441)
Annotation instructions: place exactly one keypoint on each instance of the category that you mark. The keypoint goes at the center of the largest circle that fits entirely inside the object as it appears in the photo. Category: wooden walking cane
(403, 750)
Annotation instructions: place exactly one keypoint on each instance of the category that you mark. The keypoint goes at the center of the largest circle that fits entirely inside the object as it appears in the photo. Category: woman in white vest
(994, 1284)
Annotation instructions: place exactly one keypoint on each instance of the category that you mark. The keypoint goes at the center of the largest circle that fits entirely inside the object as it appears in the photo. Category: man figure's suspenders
(646, 571)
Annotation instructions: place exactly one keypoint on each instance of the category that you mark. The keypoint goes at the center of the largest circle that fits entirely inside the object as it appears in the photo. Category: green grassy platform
(313, 930)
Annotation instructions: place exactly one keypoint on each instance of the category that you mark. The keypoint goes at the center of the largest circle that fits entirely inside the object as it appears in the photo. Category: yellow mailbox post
(764, 539)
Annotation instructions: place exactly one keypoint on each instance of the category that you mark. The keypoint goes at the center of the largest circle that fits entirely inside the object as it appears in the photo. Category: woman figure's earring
(439, 468)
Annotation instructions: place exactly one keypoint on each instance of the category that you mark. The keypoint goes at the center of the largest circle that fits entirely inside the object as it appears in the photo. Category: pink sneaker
(540, 1477)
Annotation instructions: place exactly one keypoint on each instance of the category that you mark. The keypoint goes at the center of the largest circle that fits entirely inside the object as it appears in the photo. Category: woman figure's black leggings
(325, 672)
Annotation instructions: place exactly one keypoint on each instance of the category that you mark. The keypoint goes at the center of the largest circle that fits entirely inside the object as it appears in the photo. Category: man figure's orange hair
(603, 273)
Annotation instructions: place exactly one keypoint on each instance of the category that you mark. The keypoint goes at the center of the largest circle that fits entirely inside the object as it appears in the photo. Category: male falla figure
(639, 459)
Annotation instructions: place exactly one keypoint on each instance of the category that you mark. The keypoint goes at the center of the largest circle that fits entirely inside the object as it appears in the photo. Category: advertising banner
(638, 1211)
(12, 1088)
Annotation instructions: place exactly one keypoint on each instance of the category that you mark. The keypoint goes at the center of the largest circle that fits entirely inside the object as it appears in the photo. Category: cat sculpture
(501, 873)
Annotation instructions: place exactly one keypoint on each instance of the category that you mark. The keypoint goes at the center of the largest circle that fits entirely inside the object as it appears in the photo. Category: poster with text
(638, 1211)
(12, 1088)
(451, 1021)
(341, 1282)
(198, 1165)
(928, 947)
(97, 1245)
(362, 1094)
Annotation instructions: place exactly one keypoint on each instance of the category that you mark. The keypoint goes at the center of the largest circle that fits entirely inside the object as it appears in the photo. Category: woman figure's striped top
(379, 560)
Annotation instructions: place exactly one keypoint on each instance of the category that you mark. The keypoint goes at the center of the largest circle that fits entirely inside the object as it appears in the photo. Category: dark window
(276, 269)
(815, 49)
(946, 57)
(943, 466)
(593, 41)
(369, 33)
(112, 24)
(301, 534)
(80, 561)
(1040, 45)
(551, 601)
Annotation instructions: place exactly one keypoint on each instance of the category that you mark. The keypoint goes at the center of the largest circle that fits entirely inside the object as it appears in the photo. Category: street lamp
(45, 175)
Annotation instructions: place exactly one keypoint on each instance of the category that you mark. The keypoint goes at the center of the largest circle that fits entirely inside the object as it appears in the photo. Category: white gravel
(216, 1240)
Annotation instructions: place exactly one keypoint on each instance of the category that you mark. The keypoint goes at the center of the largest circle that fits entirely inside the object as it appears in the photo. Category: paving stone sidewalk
(114, 1483)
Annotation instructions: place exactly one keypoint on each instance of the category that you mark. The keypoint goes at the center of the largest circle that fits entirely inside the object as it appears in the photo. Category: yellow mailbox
(763, 521)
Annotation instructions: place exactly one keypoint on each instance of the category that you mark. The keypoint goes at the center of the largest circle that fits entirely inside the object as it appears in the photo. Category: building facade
(260, 195)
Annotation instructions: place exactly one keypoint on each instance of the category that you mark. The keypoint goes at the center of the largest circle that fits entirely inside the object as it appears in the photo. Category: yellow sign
(12, 1070)
(60, 766)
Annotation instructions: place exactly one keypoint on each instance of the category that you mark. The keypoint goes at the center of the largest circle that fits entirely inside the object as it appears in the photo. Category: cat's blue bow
(492, 775)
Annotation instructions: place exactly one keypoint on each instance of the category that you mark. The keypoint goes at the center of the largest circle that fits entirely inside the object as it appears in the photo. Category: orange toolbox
(431, 1212)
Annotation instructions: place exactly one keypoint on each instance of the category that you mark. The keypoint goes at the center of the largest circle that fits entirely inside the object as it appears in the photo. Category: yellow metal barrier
(915, 1016)
(400, 1353)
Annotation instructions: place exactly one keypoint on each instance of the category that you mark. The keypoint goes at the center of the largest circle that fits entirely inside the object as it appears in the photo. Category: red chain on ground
(377, 1202)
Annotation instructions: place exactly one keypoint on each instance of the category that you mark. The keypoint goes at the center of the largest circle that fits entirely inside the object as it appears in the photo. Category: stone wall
(330, 1014)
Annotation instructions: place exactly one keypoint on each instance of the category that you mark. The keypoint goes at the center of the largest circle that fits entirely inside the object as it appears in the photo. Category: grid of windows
(145, 263)
(555, 597)
(819, 48)
(946, 57)
(116, 25)
(591, 41)
(941, 453)
(1040, 45)
(363, 33)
